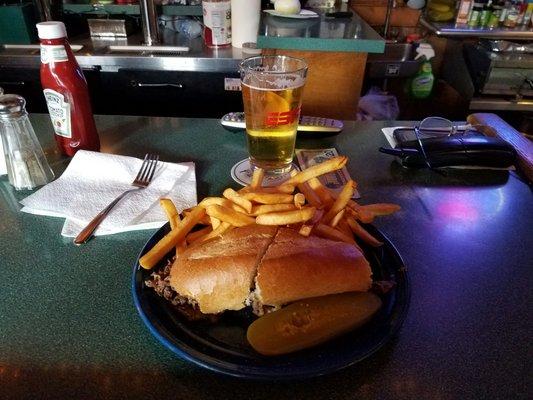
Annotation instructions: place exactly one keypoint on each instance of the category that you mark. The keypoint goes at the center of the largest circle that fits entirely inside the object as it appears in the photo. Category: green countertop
(319, 34)
(69, 329)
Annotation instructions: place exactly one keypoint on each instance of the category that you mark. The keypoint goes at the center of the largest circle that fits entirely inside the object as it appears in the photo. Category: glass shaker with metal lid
(26, 164)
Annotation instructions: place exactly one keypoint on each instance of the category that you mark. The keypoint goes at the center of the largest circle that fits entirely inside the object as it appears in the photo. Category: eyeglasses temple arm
(399, 152)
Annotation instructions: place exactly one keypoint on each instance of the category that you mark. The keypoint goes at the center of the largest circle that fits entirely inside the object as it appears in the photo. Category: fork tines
(147, 171)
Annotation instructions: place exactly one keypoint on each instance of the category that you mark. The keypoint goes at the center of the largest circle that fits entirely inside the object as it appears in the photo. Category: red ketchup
(66, 92)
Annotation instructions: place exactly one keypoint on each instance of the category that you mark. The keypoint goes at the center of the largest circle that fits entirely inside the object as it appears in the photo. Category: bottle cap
(12, 105)
(51, 30)
(412, 38)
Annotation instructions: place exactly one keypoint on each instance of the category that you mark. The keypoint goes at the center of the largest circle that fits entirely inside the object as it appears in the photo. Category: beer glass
(272, 88)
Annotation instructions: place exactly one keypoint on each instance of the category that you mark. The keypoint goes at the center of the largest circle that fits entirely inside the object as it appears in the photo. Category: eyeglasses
(435, 127)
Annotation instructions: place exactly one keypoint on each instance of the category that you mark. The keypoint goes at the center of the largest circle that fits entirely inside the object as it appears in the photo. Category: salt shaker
(26, 164)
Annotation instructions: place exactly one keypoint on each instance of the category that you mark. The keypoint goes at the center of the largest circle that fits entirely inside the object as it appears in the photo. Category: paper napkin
(92, 180)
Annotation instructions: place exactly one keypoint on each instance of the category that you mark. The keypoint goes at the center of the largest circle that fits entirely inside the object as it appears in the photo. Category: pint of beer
(272, 88)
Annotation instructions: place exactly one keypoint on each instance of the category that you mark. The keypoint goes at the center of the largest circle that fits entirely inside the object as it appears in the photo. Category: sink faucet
(390, 5)
(149, 22)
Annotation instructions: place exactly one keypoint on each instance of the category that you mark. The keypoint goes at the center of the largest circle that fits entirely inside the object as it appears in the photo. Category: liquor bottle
(494, 20)
(505, 10)
(66, 92)
(522, 7)
(464, 9)
(485, 14)
(512, 16)
(529, 13)
(475, 14)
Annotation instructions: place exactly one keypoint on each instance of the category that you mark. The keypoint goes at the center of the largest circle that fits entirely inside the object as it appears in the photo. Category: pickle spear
(309, 322)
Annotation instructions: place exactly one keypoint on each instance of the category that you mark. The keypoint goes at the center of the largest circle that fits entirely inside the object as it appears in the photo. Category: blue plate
(222, 346)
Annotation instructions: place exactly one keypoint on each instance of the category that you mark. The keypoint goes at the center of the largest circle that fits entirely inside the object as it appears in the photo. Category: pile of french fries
(314, 209)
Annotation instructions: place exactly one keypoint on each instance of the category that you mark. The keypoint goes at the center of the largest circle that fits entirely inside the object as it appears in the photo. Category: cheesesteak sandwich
(265, 267)
(288, 251)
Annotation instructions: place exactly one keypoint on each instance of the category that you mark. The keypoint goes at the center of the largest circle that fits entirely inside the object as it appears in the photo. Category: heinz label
(59, 110)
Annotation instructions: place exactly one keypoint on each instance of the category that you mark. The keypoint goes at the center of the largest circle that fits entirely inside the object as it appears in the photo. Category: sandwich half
(296, 267)
(266, 267)
(217, 275)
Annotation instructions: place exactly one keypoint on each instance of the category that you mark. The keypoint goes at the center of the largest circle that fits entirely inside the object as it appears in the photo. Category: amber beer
(272, 103)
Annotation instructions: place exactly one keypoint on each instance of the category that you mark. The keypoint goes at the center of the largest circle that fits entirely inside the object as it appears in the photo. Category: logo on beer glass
(282, 118)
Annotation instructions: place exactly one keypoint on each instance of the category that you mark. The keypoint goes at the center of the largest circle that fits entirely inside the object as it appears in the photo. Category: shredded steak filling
(159, 281)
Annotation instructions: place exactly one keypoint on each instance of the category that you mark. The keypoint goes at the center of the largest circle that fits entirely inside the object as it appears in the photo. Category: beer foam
(273, 83)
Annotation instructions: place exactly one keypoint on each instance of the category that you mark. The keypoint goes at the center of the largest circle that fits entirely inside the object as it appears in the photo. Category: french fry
(228, 215)
(310, 195)
(181, 247)
(269, 208)
(237, 199)
(194, 236)
(209, 201)
(364, 215)
(353, 204)
(344, 228)
(307, 228)
(351, 212)
(283, 188)
(319, 213)
(203, 221)
(286, 218)
(337, 218)
(257, 178)
(215, 222)
(362, 233)
(381, 208)
(299, 200)
(222, 228)
(359, 213)
(367, 213)
(350, 202)
(174, 222)
(170, 210)
(174, 219)
(330, 165)
(328, 232)
(171, 239)
(325, 196)
(341, 202)
(269, 198)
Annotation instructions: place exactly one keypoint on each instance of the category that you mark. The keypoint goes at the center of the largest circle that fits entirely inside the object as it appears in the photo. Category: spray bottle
(422, 82)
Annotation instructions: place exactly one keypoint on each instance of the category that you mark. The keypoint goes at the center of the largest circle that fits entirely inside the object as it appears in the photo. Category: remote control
(235, 121)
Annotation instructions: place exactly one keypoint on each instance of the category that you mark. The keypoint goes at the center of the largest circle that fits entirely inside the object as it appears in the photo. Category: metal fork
(141, 181)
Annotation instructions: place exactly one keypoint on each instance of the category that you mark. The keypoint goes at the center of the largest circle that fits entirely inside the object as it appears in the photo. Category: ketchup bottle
(65, 91)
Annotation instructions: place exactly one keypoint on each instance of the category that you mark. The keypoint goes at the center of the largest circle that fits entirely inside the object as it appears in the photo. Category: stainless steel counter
(102, 54)
(348, 34)
(463, 31)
